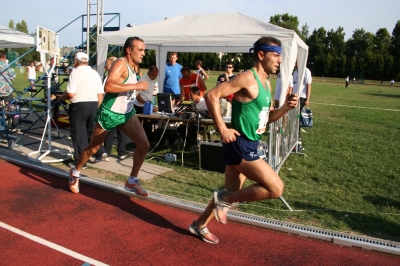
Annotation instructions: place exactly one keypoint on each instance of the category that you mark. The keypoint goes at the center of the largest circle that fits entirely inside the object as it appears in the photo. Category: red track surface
(118, 230)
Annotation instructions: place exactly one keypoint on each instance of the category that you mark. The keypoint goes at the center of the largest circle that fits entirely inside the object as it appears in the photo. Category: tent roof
(10, 38)
(226, 33)
(220, 31)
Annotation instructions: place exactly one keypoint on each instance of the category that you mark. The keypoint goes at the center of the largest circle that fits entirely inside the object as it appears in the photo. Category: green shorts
(109, 120)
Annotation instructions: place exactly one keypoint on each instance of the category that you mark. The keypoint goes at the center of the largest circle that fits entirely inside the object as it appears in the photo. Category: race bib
(262, 120)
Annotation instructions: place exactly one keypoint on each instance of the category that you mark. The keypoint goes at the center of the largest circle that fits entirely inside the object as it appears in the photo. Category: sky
(55, 14)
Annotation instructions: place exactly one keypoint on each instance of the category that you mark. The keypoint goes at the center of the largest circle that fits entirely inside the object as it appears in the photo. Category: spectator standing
(200, 71)
(189, 80)
(31, 73)
(226, 103)
(172, 76)
(304, 91)
(304, 88)
(347, 81)
(228, 75)
(85, 92)
(121, 137)
(278, 86)
(392, 83)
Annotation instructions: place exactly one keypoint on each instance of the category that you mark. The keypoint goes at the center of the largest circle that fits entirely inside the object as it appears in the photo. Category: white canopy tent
(214, 33)
(10, 38)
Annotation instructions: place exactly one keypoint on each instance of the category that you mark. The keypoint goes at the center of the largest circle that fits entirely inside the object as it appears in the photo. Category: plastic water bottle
(18, 109)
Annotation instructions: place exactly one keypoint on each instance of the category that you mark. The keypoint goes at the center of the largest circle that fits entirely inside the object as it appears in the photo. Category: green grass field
(350, 180)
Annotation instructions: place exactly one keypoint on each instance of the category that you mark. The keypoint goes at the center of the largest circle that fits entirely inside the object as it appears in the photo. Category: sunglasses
(228, 67)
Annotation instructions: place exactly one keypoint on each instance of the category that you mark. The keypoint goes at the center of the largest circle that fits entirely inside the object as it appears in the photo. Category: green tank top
(122, 102)
(250, 118)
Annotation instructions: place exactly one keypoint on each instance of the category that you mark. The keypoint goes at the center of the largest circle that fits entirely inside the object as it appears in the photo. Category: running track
(105, 227)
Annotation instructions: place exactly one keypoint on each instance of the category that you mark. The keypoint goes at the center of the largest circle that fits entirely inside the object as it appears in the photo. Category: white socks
(132, 179)
(75, 172)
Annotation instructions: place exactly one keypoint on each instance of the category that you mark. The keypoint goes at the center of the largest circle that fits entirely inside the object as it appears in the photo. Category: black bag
(306, 118)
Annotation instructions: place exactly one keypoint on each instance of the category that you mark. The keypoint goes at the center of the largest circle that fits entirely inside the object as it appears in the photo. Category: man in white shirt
(304, 91)
(304, 88)
(277, 94)
(85, 92)
(147, 95)
(226, 102)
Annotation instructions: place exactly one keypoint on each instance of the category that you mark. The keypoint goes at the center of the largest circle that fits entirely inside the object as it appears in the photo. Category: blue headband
(267, 48)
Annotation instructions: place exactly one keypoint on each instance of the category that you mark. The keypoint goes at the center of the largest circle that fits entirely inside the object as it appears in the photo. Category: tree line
(374, 56)
(32, 56)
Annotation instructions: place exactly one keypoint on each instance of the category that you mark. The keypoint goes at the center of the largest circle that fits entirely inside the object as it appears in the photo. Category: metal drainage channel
(306, 231)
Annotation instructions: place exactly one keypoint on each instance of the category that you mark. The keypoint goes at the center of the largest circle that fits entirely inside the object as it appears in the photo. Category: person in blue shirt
(172, 76)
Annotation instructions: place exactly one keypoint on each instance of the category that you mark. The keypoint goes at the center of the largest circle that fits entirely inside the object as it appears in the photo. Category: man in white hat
(85, 92)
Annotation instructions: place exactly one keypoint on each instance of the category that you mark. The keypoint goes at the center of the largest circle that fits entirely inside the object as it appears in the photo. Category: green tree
(22, 27)
(395, 51)
(360, 48)
(305, 30)
(318, 50)
(381, 54)
(336, 48)
(149, 59)
(286, 21)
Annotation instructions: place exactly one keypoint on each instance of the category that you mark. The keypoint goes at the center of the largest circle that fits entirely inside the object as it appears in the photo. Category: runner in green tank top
(250, 118)
(251, 111)
(117, 111)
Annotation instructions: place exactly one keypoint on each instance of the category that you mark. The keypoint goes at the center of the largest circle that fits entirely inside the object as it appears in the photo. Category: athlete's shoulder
(247, 75)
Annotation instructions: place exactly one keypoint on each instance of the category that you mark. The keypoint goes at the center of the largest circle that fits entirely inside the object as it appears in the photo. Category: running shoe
(121, 157)
(137, 188)
(73, 182)
(203, 233)
(221, 208)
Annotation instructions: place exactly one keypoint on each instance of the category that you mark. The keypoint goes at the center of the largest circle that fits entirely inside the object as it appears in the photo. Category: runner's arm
(117, 75)
(212, 98)
(204, 74)
(290, 103)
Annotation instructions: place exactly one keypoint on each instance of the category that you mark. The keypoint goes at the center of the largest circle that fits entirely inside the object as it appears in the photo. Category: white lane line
(52, 245)
(361, 107)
